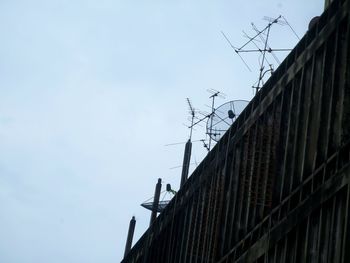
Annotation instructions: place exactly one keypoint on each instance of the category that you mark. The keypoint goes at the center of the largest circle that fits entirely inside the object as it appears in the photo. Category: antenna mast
(192, 112)
(211, 119)
(188, 148)
(266, 48)
(215, 94)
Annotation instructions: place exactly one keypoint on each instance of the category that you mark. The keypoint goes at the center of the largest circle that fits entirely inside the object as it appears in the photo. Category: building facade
(276, 187)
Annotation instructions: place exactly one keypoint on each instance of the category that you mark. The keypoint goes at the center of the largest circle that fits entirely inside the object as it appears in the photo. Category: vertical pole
(211, 117)
(156, 201)
(130, 236)
(186, 162)
(262, 61)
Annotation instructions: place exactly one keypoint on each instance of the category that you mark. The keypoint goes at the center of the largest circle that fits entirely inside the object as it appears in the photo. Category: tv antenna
(262, 37)
(214, 94)
(188, 147)
(192, 112)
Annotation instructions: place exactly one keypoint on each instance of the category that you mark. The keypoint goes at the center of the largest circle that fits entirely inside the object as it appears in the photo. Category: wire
(236, 50)
(291, 27)
(178, 143)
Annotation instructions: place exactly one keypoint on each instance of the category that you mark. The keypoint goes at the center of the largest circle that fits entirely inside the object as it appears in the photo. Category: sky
(92, 91)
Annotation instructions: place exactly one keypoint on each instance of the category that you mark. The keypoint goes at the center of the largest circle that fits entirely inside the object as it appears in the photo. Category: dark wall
(276, 186)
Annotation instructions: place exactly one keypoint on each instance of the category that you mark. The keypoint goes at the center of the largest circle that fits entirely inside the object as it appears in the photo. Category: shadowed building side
(275, 188)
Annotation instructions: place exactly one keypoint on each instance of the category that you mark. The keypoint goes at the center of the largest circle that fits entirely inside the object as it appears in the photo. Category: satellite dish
(160, 208)
(222, 118)
(163, 203)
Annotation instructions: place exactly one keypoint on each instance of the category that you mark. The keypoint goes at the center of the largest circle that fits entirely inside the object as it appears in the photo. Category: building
(276, 187)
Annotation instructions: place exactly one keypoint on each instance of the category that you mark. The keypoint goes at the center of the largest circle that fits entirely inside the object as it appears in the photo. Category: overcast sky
(90, 92)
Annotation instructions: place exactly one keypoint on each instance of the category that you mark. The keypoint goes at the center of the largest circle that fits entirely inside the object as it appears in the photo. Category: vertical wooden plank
(314, 115)
(303, 121)
(208, 218)
(253, 219)
(196, 227)
(339, 223)
(251, 203)
(346, 102)
(292, 136)
(346, 235)
(237, 182)
(241, 194)
(337, 99)
(282, 148)
(185, 231)
(247, 181)
(231, 200)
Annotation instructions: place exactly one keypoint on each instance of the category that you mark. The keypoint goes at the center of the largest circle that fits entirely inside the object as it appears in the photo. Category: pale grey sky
(90, 93)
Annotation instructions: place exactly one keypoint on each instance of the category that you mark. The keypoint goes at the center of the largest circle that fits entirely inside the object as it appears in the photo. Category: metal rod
(155, 201)
(262, 64)
(130, 236)
(186, 162)
(259, 32)
(262, 50)
(211, 119)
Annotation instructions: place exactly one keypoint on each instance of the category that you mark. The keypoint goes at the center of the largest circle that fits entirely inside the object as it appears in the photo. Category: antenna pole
(155, 201)
(192, 115)
(211, 119)
(188, 148)
(263, 59)
(191, 127)
(259, 33)
(186, 162)
(130, 236)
